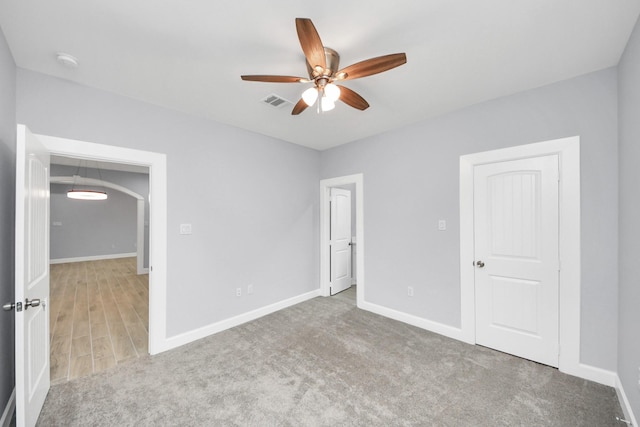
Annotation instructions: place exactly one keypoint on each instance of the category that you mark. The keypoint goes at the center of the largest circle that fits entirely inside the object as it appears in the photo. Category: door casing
(568, 151)
(157, 164)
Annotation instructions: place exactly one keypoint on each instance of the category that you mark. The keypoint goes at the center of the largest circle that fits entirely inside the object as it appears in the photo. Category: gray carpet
(326, 363)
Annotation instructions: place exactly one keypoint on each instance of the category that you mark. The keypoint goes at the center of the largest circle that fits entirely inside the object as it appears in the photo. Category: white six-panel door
(32, 277)
(516, 257)
(340, 240)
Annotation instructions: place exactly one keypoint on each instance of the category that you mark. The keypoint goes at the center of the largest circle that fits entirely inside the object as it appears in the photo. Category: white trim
(157, 164)
(420, 322)
(91, 258)
(591, 373)
(325, 197)
(9, 410)
(140, 243)
(214, 328)
(568, 151)
(624, 402)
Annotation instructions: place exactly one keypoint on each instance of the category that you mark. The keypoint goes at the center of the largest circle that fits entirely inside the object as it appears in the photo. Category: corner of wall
(624, 402)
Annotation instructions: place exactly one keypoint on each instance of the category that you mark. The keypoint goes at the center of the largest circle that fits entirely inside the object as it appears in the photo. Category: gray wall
(252, 200)
(7, 215)
(629, 292)
(411, 180)
(94, 228)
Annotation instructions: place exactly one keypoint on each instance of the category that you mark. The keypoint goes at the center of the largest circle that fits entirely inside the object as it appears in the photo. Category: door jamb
(325, 197)
(568, 151)
(157, 164)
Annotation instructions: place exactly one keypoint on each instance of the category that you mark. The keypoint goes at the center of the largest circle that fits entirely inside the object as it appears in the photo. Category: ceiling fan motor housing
(333, 65)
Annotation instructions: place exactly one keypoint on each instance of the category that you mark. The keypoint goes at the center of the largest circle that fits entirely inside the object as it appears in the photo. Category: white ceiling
(189, 55)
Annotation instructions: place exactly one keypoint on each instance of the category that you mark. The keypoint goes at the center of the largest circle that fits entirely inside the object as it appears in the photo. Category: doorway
(326, 185)
(156, 163)
(99, 293)
(568, 152)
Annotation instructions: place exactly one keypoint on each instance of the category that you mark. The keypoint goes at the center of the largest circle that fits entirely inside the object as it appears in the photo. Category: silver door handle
(33, 303)
(8, 306)
(480, 264)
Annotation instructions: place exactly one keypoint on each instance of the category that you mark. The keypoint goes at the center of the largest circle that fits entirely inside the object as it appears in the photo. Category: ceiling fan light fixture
(86, 195)
(332, 92)
(323, 67)
(310, 96)
(327, 104)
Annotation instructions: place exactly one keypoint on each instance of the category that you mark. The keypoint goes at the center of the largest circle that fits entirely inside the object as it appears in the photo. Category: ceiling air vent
(275, 101)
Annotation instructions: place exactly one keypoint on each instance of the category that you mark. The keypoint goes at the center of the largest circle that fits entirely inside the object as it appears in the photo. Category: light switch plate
(442, 225)
(185, 228)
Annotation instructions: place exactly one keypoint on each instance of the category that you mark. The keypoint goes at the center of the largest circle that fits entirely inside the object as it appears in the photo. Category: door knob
(33, 303)
(480, 264)
(8, 306)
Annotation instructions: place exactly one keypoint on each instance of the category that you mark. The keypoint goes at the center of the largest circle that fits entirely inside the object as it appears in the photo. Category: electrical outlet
(238, 292)
(250, 289)
(410, 291)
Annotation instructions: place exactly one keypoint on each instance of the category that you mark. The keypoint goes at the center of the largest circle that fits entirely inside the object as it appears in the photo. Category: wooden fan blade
(371, 66)
(311, 43)
(352, 99)
(274, 79)
(299, 107)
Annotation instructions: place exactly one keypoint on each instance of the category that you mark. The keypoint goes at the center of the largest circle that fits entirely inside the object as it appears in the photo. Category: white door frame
(157, 164)
(568, 151)
(325, 214)
(139, 209)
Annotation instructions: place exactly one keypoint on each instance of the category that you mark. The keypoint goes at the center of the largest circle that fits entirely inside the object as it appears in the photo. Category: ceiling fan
(322, 66)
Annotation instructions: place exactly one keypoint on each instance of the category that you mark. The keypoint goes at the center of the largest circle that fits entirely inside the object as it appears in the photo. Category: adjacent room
(378, 213)
(99, 256)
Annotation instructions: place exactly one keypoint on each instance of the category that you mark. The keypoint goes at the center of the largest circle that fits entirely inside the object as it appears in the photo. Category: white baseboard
(587, 372)
(8, 410)
(624, 403)
(92, 258)
(591, 373)
(214, 328)
(429, 325)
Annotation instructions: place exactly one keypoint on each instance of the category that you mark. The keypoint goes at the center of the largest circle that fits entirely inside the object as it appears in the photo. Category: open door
(340, 240)
(32, 277)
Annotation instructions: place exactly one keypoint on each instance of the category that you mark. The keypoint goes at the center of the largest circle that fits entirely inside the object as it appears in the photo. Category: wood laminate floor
(99, 314)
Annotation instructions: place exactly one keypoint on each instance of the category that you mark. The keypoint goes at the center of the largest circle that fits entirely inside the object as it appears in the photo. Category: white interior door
(516, 252)
(340, 240)
(32, 277)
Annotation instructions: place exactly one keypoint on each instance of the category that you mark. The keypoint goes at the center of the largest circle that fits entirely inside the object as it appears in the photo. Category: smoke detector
(67, 60)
